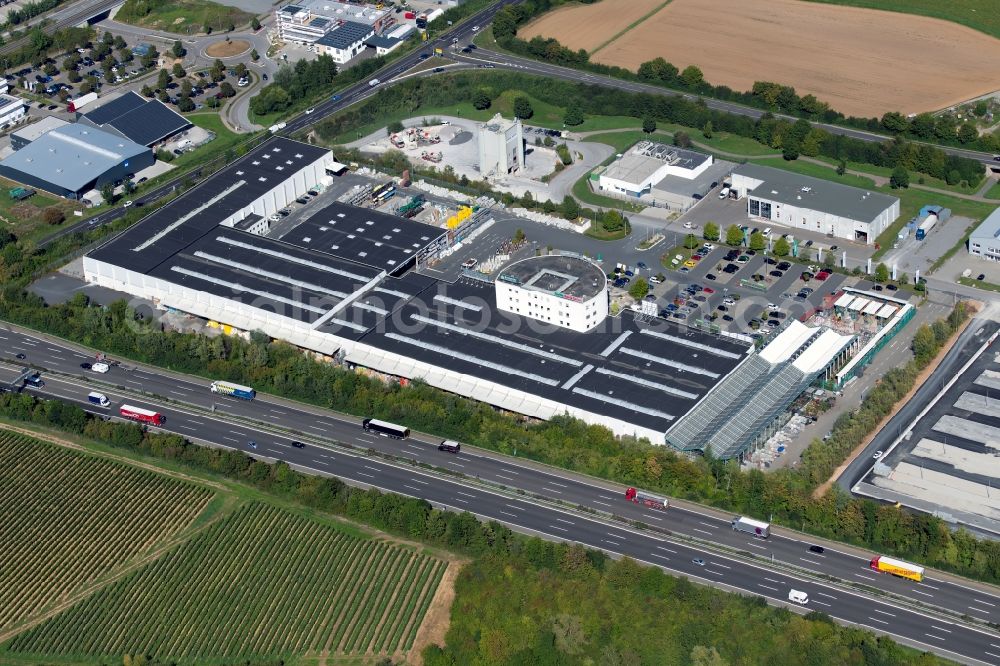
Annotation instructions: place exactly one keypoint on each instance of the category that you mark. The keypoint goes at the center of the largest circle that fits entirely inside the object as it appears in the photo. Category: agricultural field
(70, 519)
(862, 62)
(185, 17)
(979, 15)
(587, 27)
(262, 583)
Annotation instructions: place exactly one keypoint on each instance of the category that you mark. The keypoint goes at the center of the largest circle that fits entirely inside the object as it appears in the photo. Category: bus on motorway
(235, 390)
(385, 429)
(141, 415)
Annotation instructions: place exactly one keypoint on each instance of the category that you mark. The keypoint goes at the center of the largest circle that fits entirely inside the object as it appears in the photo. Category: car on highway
(127, 204)
(85, 366)
(817, 549)
(20, 356)
(700, 562)
(877, 455)
(252, 444)
(335, 98)
(438, 70)
(425, 56)
(100, 368)
(309, 110)
(475, 28)
(469, 263)
(298, 445)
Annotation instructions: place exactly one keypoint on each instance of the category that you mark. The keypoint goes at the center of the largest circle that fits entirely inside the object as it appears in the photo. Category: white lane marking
(875, 610)
(561, 529)
(563, 520)
(930, 586)
(508, 513)
(662, 557)
(553, 483)
(877, 620)
(375, 469)
(415, 448)
(454, 463)
(501, 476)
(519, 508)
(606, 497)
(420, 481)
(652, 517)
(702, 531)
(510, 471)
(613, 543)
(370, 476)
(933, 636)
(821, 603)
(316, 428)
(277, 411)
(766, 587)
(198, 422)
(758, 546)
(459, 499)
(980, 610)
(828, 596)
(716, 564)
(459, 492)
(231, 439)
(947, 631)
(926, 594)
(985, 603)
(601, 503)
(864, 576)
(667, 549)
(714, 527)
(176, 392)
(552, 490)
(184, 427)
(771, 580)
(810, 561)
(992, 655)
(411, 487)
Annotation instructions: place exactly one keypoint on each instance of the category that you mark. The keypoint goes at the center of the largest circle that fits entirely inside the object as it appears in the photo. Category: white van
(724, 193)
(798, 596)
(100, 367)
(98, 399)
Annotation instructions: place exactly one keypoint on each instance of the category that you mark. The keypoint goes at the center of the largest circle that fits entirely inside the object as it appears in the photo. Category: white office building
(12, 110)
(647, 163)
(802, 202)
(501, 147)
(563, 290)
(984, 242)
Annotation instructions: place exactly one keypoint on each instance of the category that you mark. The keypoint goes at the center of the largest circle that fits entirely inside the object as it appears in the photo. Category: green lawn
(185, 17)
(993, 192)
(24, 218)
(915, 178)
(224, 138)
(979, 15)
(622, 141)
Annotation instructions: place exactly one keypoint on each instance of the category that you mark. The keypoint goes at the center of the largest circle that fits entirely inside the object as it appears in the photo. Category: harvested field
(862, 62)
(588, 26)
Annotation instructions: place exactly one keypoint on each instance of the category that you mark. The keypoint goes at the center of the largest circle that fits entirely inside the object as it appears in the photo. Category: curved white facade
(567, 291)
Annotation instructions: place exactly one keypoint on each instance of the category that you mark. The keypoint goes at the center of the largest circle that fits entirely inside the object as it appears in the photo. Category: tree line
(791, 137)
(944, 128)
(578, 604)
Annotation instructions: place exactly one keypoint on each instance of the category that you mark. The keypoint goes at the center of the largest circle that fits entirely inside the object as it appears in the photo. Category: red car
(709, 290)
(822, 275)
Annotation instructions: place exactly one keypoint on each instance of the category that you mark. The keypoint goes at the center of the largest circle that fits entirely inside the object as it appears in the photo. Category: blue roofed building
(72, 160)
(131, 116)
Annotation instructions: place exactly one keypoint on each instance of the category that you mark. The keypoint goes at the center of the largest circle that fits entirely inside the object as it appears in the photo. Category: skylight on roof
(351, 236)
(362, 254)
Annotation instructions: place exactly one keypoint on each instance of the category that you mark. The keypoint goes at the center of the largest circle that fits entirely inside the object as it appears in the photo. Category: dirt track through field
(862, 62)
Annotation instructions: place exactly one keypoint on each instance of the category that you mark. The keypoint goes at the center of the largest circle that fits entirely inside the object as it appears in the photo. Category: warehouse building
(74, 159)
(538, 341)
(148, 122)
(661, 175)
(822, 206)
(984, 242)
(12, 110)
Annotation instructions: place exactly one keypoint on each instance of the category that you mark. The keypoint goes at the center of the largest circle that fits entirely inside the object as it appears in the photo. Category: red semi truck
(141, 415)
(652, 501)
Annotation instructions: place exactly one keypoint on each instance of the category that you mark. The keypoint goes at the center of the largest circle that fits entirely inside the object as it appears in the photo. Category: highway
(234, 423)
(71, 14)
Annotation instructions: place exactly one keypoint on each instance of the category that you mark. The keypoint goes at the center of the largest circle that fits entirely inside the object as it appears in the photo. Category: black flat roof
(383, 241)
(649, 373)
(117, 107)
(180, 223)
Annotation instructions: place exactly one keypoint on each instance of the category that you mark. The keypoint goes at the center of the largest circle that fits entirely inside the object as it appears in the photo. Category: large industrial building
(803, 202)
(984, 242)
(148, 122)
(72, 160)
(538, 340)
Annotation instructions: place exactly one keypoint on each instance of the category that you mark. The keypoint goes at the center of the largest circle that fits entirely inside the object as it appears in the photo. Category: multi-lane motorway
(680, 535)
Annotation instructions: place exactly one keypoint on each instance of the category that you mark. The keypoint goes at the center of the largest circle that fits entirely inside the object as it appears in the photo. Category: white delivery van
(724, 193)
(798, 596)
(100, 367)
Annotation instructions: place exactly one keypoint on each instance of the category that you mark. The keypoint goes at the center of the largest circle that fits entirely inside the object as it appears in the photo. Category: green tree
(612, 220)
(574, 116)
(129, 186)
(254, 55)
(707, 130)
(781, 248)
(757, 241)
(185, 104)
(692, 77)
(522, 108)
(119, 42)
(481, 100)
(255, 24)
(711, 231)
(570, 208)
(924, 344)
(53, 215)
(108, 192)
(967, 133)
(241, 70)
(163, 79)
(227, 89)
(691, 242)
(900, 178)
(179, 71)
(639, 289)
(841, 168)
(178, 49)
(881, 273)
(648, 125)
(706, 656)
(518, 236)
(734, 235)
(894, 122)
(395, 127)
(682, 140)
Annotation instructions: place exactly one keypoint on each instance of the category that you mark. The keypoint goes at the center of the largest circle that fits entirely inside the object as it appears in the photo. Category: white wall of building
(501, 152)
(12, 110)
(552, 309)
